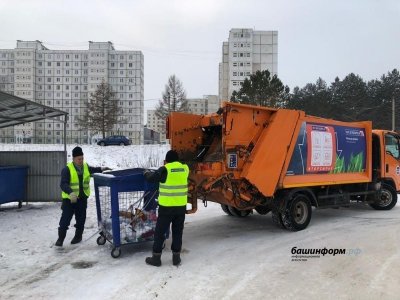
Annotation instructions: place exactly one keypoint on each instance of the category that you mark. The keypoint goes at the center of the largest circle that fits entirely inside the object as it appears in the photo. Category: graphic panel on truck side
(321, 141)
(328, 149)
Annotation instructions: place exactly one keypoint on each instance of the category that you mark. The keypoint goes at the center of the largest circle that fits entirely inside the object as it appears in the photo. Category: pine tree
(101, 110)
(263, 90)
(173, 99)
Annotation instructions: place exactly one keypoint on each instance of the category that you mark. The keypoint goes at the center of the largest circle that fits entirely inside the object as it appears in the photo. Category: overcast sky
(316, 38)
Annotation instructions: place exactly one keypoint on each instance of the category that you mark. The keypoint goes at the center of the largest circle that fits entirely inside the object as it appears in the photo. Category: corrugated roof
(15, 110)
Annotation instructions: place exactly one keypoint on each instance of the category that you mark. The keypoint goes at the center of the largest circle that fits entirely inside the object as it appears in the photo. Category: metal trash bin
(13, 184)
(126, 208)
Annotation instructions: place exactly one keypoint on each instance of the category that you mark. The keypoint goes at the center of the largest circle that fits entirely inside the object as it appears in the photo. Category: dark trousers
(69, 209)
(162, 226)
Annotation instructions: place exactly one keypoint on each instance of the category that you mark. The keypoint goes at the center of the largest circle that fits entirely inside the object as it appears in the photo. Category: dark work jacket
(160, 175)
(66, 176)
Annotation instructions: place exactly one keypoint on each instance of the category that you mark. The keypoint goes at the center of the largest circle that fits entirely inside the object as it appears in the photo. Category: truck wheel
(277, 218)
(225, 209)
(262, 210)
(298, 211)
(386, 199)
(239, 213)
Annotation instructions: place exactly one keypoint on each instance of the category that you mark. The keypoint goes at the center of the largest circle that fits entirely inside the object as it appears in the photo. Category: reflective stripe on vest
(74, 180)
(174, 191)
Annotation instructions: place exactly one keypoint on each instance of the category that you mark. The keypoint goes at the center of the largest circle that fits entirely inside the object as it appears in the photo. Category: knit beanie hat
(77, 151)
(171, 156)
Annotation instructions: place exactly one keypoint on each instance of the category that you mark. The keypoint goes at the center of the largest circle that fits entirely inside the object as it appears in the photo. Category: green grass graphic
(339, 166)
(355, 165)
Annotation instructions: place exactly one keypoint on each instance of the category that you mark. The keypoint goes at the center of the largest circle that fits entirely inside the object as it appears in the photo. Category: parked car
(115, 140)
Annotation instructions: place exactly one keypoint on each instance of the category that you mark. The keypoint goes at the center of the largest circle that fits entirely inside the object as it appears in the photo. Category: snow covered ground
(223, 257)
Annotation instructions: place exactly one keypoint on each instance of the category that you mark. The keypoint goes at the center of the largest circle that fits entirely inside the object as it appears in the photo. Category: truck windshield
(392, 145)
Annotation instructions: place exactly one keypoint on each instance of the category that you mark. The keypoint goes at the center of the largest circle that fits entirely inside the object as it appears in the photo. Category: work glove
(105, 169)
(147, 173)
(73, 197)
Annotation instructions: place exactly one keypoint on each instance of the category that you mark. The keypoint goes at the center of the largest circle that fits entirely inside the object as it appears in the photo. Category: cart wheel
(101, 240)
(115, 252)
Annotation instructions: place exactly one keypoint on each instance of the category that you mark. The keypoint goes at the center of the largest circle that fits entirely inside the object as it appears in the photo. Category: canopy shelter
(15, 111)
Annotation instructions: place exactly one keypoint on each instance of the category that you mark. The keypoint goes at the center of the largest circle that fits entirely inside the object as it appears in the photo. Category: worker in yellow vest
(172, 199)
(75, 180)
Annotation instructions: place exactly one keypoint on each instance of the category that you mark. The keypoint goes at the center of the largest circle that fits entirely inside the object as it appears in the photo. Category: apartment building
(155, 123)
(65, 79)
(246, 52)
(201, 106)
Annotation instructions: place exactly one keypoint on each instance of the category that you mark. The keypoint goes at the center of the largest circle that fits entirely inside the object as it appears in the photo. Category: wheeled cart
(126, 208)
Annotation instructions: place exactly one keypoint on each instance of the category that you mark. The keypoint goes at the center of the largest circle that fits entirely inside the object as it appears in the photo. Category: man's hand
(105, 169)
(147, 173)
(73, 197)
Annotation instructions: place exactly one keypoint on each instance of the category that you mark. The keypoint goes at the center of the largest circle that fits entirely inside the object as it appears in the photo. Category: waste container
(13, 184)
(126, 208)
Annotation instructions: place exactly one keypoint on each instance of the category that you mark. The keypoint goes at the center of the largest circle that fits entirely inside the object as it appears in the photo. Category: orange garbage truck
(284, 161)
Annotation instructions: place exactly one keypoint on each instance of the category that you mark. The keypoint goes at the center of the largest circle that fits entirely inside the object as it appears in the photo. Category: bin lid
(128, 178)
(13, 167)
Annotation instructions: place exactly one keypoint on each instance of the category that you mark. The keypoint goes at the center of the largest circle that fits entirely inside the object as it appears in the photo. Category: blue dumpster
(13, 184)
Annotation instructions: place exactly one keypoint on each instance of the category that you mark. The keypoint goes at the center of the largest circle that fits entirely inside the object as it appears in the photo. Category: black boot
(155, 260)
(61, 236)
(176, 258)
(78, 236)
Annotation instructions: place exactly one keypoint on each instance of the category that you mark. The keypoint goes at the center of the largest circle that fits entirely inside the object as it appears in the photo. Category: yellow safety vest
(74, 180)
(174, 191)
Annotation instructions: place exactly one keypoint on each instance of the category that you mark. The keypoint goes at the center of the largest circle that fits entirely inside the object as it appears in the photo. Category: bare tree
(101, 110)
(173, 99)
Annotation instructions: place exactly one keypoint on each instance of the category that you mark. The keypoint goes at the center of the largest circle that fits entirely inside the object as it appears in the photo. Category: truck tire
(386, 199)
(277, 218)
(225, 209)
(298, 212)
(239, 213)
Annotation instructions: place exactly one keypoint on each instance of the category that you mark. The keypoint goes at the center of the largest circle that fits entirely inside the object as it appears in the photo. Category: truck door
(392, 158)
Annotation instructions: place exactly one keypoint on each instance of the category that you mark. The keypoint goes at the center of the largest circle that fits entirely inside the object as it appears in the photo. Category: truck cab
(386, 162)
